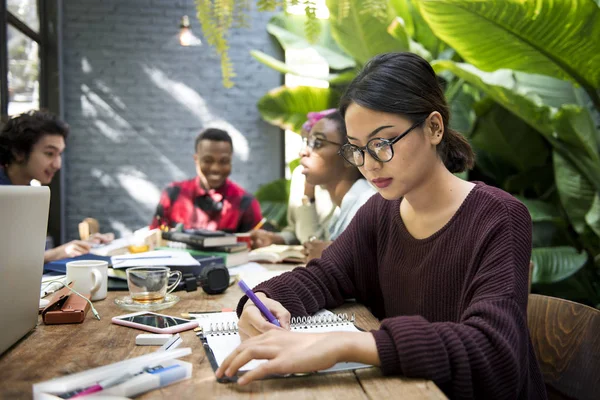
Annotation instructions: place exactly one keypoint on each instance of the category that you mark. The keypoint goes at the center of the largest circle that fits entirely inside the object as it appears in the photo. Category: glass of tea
(149, 285)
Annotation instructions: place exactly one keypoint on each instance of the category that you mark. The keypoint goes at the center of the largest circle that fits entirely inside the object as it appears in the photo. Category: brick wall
(135, 101)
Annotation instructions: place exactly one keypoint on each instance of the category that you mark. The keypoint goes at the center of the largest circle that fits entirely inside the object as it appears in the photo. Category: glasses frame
(389, 142)
(305, 142)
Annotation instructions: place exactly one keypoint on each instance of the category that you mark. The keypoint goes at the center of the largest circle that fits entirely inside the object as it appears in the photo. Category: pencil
(260, 224)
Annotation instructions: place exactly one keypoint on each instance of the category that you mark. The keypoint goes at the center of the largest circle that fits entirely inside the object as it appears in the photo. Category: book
(201, 239)
(277, 253)
(167, 258)
(230, 248)
(230, 259)
(220, 336)
(60, 266)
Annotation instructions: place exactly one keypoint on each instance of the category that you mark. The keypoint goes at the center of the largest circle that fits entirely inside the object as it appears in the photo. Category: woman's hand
(309, 190)
(102, 238)
(67, 250)
(314, 248)
(287, 352)
(253, 323)
(262, 238)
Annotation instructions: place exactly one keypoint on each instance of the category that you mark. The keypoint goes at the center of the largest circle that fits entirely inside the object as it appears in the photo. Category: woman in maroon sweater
(442, 262)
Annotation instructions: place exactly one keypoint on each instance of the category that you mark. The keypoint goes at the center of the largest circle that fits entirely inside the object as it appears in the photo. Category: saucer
(127, 303)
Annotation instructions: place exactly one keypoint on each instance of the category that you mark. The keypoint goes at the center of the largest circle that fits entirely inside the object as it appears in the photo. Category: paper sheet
(154, 258)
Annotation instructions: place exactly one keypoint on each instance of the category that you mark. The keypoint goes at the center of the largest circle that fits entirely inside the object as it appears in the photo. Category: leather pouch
(65, 308)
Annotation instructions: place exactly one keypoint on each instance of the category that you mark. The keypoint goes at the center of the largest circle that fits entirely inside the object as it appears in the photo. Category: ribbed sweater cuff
(278, 293)
(386, 349)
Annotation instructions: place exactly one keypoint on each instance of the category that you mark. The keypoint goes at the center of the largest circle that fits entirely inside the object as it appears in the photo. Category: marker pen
(104, 384)
(152, 378)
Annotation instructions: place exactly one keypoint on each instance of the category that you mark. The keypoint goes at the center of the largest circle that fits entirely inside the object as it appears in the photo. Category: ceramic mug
(89, 277)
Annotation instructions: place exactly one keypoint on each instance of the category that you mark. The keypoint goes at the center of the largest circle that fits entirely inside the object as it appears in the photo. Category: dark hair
(405, 84)
(20, 133)
(214, 134)
(336, 117)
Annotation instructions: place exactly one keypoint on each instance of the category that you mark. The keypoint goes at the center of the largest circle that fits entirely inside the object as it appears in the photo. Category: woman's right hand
(253, 323)
(262, 238)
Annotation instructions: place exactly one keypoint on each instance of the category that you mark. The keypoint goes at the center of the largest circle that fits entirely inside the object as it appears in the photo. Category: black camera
(211, 275)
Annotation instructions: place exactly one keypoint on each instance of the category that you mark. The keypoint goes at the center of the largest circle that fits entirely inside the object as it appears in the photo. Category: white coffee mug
(89, 277)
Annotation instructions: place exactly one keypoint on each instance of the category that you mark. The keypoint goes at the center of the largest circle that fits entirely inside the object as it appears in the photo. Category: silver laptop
(23, 225)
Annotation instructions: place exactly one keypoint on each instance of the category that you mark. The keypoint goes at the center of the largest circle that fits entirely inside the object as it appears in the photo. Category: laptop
(23, 227)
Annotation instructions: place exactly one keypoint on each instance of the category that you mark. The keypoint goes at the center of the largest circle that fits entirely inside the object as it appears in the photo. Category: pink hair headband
(314, 117)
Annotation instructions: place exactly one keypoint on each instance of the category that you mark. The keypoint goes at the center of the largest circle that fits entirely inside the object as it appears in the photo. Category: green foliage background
(522, 79)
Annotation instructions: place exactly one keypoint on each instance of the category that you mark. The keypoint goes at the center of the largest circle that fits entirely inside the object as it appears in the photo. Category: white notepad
(220, 335)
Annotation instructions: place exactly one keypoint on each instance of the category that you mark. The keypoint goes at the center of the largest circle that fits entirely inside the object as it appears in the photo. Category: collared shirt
(229, 208)
(359, 193)
(4, 178)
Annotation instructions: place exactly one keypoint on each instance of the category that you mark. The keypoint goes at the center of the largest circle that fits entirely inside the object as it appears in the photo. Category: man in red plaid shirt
(210, 200)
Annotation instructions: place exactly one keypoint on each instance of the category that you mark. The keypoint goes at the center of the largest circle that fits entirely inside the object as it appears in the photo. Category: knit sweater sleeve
(484, 354)
(327, 281)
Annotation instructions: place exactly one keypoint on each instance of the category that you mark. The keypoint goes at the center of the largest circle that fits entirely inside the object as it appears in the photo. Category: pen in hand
(263, 309)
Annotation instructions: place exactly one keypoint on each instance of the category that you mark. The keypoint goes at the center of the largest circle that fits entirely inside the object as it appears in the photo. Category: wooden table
(50, 351)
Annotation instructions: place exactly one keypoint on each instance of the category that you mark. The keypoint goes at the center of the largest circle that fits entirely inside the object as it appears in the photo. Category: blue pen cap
(169, 374)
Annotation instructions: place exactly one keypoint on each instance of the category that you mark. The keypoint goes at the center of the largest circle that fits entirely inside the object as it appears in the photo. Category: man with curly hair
(31, 148)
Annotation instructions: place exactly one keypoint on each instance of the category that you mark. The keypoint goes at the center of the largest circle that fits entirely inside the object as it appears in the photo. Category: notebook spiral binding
(231, 328)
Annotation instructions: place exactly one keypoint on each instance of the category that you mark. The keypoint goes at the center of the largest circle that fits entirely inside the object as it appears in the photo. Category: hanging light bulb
(186, 37)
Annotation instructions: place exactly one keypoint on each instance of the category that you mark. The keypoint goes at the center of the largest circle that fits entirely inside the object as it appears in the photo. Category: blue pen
(263, 309)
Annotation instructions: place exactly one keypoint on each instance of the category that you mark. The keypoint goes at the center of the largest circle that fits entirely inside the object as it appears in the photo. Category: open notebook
(277, 253)
(220, 336)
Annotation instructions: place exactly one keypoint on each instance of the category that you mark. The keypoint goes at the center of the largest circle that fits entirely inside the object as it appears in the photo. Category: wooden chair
(566, 339)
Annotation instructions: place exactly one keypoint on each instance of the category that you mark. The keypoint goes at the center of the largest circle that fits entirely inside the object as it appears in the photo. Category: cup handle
(172, 286)
(97, 280)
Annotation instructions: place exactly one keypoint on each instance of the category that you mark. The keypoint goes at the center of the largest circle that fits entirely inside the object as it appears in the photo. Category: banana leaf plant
(526, 94)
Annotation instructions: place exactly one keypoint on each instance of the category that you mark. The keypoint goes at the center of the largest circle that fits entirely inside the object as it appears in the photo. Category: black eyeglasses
(313, 142)
(380, 149)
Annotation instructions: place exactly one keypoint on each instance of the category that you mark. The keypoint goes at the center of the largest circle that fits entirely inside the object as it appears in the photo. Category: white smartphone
(152, 322)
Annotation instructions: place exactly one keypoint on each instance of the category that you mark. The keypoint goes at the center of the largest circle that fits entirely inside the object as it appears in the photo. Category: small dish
(127, 303)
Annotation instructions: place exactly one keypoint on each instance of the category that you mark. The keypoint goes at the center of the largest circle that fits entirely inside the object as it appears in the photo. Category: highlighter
(263, 309)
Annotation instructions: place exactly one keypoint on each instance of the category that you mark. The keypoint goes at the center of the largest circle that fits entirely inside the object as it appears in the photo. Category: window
(20, 71)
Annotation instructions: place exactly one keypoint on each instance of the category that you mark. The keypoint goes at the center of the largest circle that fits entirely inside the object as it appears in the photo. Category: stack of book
(202, 243)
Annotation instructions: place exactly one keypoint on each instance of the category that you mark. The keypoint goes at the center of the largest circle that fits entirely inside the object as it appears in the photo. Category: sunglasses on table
(380, 149)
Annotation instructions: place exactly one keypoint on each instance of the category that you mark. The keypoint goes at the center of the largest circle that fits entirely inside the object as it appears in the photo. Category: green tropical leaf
(576, 192)
(552, 38)
(569, 129)
(273, 198)
(593, 216)
(341, 78)
(462, 97)
(360, 34)
(541, 211)
(398, 31)
(287, 107)
(504, 135)
(290, 32)
(555, 264)
(416, 27)
(293, 164)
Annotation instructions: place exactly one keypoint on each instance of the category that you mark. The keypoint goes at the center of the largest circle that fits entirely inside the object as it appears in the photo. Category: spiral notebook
(220, 336)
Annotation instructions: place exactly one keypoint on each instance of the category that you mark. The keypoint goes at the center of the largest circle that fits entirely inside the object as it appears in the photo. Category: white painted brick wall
(135, 101)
